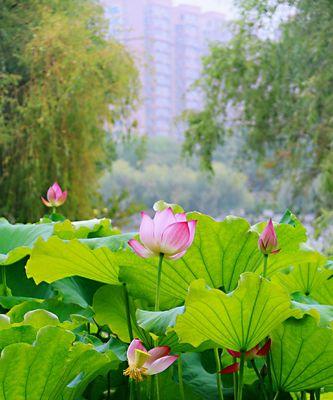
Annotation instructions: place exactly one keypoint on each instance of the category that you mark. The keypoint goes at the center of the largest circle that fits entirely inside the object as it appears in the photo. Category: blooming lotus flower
(142, 362)
(168, 233)
(249, 355)
(267, 242)
(55, 196)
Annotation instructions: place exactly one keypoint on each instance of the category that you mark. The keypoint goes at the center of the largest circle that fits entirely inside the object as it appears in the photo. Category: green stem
(157, 308)
(109, 386)
(128, 313)
(264, 273)
(218, 375)
(235, 379)
(241, 376)
(303, 395)
(180, 378)
(312, 395)
(269, 372)
(132, 389)
(54, 210)
(4, 281)
(276, 395)
(317, 394)
(261, 381)
(159, 274)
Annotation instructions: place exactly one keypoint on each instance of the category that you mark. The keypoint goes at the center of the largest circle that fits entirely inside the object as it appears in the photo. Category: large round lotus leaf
(238, 320)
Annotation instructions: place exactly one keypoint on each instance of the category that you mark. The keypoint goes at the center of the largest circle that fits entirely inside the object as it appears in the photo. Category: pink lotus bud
(168, 233)
(267, 242)
(55, 196)
(142, 362)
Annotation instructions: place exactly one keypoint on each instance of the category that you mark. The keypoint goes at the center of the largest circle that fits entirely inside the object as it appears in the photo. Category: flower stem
(180, 378)
(241, 375)
(269, 371)
(5, 291)
(261, 381)
(54, 210)
(276, 395)
(159, 274)
(264, 273)
(218, 375)
(235, 379)
(128, 313)
(157, 308)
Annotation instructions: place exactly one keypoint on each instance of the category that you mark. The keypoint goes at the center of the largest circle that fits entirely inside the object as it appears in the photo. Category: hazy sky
(224, 6)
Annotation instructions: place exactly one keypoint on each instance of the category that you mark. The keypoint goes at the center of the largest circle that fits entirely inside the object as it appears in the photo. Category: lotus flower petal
(265, 349)
(191, 226)
(181, 217)
(147, 231)
(139, 249)
(235, 354)
(57, 190)
(135, 344)
(156, 353)
(51, 195)
(162, 220)
(230, 369)
(160, 365)
(176, 256)
(175, 238)
(61, 200)
(48, 204)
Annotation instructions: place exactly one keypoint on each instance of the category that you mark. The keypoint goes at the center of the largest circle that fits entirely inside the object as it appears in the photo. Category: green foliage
(163, 174)
(60, 75)
(46, 368)
(237, 321)
(272, 84)
(67, 337)
(302, 355)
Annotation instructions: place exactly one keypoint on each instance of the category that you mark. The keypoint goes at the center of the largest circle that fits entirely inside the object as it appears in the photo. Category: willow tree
(272, 84)
(64, 84)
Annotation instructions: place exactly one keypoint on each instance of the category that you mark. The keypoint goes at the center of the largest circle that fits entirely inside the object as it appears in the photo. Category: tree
(274, 87)
(63, 85)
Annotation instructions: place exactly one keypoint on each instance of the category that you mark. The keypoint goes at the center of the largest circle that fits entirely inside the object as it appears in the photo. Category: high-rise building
(168, 43)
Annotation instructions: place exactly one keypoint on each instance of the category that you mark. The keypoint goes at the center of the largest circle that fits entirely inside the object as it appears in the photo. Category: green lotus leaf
(46, 369)
(84, 229)
(109, 304)
(302, 355)
(221, 251)
(64, 259)
(310, 279)
(16, 240)
(320, 312)
(158, 322)
(238, 320)
(17, 334)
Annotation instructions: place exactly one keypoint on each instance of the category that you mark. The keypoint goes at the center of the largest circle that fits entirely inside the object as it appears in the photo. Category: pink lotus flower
(267, 242)
(142, 362)
(55, 196)
(168, 233)
(249, 355)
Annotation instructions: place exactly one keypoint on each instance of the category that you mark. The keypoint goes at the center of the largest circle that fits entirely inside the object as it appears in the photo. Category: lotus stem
(128, 313)
(264, 273)
(218, 375)
(157, 308)
(261, 381)
(4, 281)
(180, 378)
(159, 274)
(235, 379)
(241, 376)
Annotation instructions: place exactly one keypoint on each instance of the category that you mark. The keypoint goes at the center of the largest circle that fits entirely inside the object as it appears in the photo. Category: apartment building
(168, 42)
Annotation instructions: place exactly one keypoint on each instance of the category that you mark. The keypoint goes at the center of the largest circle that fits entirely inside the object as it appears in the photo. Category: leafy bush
(74, 295)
